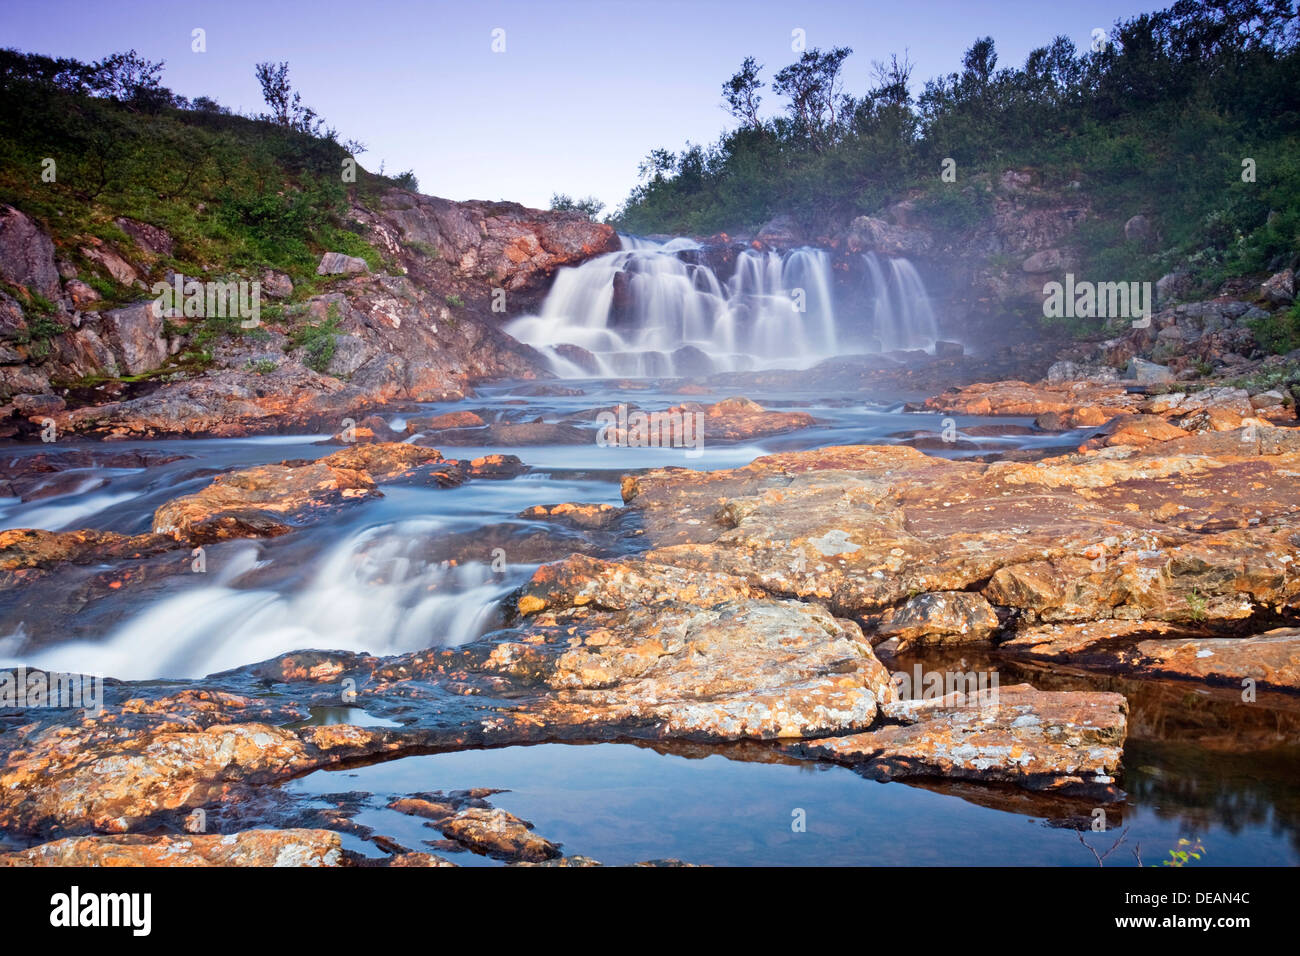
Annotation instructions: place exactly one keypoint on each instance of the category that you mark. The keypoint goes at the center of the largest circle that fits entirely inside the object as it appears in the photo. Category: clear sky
(584, 89)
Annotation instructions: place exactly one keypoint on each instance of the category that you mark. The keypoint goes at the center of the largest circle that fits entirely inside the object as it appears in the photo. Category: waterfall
(657, 308)
(373, 591)
(901, 314)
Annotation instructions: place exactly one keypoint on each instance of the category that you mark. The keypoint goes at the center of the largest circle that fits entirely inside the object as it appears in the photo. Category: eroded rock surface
(1037, 739)
(247, 848)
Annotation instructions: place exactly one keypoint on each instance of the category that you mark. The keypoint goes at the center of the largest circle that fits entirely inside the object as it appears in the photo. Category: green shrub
(1279, 333)
(317, 341)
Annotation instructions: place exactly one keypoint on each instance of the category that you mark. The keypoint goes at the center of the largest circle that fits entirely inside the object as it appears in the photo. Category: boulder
(336, 263)
(135, 333)
(1138, 229)
(27, 254)
(1279, 288)
(154, 240)
(940, 617)
(1147, 373)
(1173, 287)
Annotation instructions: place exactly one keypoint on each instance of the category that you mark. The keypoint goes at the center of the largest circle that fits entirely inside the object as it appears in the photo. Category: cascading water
(373, 591)
(901, 312)
(656, 309)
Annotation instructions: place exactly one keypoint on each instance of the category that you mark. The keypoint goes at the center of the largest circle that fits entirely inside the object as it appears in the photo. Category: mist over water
(656, 309)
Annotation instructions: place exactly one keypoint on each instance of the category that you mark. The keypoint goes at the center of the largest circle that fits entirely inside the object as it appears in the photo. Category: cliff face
(421, 327)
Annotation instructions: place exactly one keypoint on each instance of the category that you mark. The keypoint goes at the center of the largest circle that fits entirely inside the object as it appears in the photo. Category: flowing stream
(376, 577)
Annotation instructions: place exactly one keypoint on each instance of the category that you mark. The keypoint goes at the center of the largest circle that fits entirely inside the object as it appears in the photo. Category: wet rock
(1040, 740)
(440, 422)
(575, 515)
(730, 420)
(477, 826)
(270, 500)
(116, 771)
(246, 848)
(692, 362)
(511, 434)
(497, 466)
(38, 406)
(690, 653)
(1137, 430)
(28, 549)
(948, 349)
(1077, 403)
(372, 428)
(780, 233)
(1156, 649)
(582, 358)
(862, 529)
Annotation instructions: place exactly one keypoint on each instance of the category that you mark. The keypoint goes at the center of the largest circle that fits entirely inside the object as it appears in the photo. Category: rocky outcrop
(1152, 649)
(471, 248)
(1180, 538)
(270, 500)
(1041, 740)
(424, 330)
(27, 254)
(1125, 416)
(469, 820)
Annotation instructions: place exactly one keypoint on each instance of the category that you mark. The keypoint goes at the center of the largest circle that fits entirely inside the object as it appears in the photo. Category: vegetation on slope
(1188, 116)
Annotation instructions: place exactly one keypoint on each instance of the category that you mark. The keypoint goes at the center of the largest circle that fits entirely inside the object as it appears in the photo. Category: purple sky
(583, 91)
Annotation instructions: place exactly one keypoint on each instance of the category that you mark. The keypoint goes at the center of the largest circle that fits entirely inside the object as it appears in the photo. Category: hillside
(104, 196)
(1167, 149)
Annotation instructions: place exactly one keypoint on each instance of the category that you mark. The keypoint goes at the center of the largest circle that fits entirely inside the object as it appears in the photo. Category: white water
(900, 307)
(371, 592)
(645, 311)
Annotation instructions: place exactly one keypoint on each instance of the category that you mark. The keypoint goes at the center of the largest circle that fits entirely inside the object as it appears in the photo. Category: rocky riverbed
(1030, 601)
